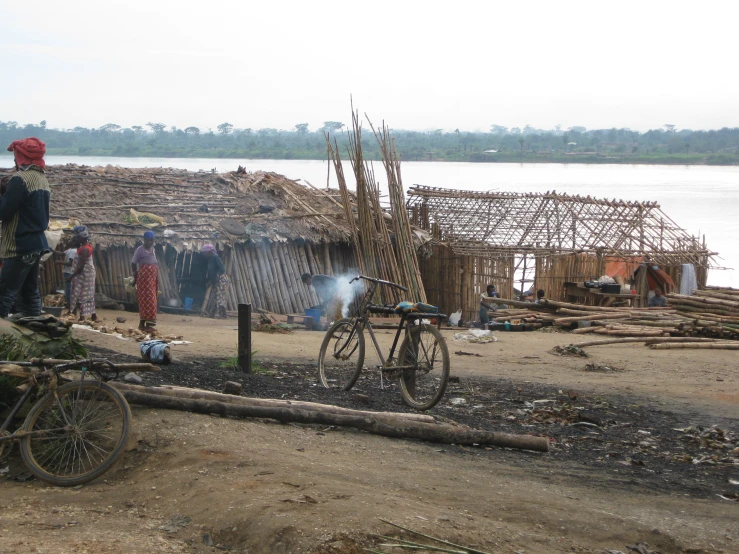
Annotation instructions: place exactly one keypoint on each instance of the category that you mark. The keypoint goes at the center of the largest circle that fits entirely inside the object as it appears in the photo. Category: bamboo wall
(454, 282)
(266, 275)
(554, 271)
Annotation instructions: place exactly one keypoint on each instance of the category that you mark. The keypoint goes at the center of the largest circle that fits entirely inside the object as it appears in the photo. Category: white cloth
(688, 280)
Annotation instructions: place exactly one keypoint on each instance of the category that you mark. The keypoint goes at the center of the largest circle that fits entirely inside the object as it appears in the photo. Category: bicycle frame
(363, 322)
(51, 375)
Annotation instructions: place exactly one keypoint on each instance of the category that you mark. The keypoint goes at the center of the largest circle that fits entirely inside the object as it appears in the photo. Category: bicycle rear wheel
(341, 358)
(425, 350)
(87, 427)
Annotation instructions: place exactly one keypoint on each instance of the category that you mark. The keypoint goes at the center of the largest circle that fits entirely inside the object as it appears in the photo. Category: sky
(417, 65)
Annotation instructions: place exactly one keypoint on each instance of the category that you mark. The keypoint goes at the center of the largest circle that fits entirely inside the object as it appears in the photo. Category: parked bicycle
(422, 364)
(77, 429)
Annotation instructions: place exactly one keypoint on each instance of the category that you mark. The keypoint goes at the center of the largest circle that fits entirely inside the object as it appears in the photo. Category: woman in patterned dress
(83, 276)
(217, 279)
(146, 278)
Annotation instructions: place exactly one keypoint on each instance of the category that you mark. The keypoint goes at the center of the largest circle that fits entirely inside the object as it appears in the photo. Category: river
(702, 199)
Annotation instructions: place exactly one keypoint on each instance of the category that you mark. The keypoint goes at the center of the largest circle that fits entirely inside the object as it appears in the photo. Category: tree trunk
(432, 432)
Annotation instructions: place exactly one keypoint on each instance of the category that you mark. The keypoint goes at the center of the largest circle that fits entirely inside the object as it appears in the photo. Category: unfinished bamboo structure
(268, 230)
(542, 241)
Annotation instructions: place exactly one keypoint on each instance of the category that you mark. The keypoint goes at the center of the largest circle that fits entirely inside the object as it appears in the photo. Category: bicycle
(424, 371)
(77, 430)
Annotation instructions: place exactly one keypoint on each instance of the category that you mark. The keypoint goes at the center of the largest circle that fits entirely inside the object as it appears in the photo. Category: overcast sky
(416, 64)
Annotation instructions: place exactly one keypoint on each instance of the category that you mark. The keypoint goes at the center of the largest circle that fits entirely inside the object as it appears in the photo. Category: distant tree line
(574, 144)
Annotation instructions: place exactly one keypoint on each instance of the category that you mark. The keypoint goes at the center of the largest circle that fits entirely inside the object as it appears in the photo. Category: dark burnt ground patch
(618, 441)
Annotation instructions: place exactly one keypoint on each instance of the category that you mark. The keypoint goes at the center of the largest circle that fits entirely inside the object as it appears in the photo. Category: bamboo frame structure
(542, 240)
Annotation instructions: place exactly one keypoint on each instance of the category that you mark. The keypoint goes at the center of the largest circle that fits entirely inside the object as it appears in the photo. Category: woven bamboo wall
(266, 275)
(454, 282)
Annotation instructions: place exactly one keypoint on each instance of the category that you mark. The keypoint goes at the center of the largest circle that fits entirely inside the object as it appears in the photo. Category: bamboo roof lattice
(482, 223)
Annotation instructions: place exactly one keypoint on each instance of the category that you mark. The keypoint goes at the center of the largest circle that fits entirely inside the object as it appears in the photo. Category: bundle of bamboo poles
(379, 254)
(405, 250)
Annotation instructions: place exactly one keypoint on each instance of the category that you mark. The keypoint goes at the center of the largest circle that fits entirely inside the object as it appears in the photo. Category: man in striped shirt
(24, 212)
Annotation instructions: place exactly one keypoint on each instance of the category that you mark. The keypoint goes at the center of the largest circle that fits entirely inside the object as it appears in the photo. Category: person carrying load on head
(486, 306)
(326, 288)
(24, 212)
(146, 278)
(82, 278)
(217, 279)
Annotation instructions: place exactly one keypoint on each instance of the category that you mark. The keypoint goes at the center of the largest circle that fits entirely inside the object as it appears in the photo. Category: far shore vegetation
(667, 145)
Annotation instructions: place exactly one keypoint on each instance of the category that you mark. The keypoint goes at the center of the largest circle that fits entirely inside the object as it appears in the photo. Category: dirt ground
(259, 486)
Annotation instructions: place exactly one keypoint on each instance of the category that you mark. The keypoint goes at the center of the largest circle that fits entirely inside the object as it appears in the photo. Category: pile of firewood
(707, 314)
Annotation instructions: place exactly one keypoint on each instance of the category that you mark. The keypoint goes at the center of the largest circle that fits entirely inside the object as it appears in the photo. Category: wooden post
(244, 332)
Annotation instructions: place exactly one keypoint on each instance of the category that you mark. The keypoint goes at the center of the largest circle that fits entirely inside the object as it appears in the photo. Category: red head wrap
(28, 151)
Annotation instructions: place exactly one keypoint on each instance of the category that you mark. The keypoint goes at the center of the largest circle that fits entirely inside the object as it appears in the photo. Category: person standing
(217, 279)
(24, 212)
(67, 269)
(82, 278)
(146, 278)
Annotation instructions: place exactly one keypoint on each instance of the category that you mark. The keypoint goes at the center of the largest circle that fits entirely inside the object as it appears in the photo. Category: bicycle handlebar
(379, 281)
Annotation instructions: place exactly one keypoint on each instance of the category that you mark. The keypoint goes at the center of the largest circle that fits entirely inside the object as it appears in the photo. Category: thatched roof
(192, 205)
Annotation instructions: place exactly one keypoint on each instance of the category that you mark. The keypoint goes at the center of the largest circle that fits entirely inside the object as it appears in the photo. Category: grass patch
(256, 367)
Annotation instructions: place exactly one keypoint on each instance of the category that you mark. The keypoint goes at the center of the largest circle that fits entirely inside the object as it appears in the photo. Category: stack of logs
(704, 320)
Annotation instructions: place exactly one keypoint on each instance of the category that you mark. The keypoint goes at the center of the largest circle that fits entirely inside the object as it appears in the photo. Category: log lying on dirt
(651, 340)
(712, 346)
(407, 429)
(200, 394)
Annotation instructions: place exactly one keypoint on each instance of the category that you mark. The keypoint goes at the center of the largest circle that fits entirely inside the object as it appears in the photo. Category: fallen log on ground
(583, 330)
(713, 346)
(200, 394)
(653, 340)
(627, 332)
(432, 432)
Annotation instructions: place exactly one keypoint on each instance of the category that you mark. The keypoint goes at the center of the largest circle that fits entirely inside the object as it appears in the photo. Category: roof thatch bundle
(187, 209)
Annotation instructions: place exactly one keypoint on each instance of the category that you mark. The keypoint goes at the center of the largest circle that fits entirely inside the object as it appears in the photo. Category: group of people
(24, 212)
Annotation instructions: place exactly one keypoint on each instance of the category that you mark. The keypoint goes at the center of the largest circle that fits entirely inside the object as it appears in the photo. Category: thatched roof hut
(268, 230)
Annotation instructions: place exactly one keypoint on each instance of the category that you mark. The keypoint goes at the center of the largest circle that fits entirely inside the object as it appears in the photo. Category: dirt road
(255, 486)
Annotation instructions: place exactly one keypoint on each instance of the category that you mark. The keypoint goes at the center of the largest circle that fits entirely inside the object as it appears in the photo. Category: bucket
(315, 314)
(188, 303)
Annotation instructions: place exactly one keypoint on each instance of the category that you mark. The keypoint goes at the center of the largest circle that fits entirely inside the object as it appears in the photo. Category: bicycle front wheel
(426, 357)
(342, 355)
(86, 427)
